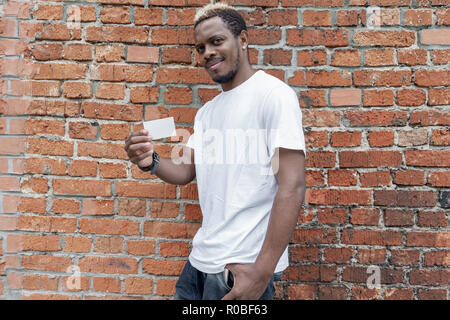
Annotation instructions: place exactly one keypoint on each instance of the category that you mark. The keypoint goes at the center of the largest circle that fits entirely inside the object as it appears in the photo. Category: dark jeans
(196, 285)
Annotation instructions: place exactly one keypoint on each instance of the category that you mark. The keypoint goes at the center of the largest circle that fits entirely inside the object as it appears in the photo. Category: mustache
(213, 61)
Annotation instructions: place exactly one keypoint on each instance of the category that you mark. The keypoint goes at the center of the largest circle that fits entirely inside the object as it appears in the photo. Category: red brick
(334, 196)
(304, 254)
(151, 17)
(328, 38)
(46, 263)
(440, 137)
(427, 158)
(108, 226)
(108, 265)
(170, 230)
(414, 137)
(117, 34)
(398, 218)
(321, 159)
(380, 118)
(429, 277)
(331, 216)
(346, 97)
(107, 111)
(277, 57)
(174, 249)
(316, 139)
(44, 146)
(344, 57)
(177, 55)
(312, 98)
(110, 91)
(440, 56)
(375, 179)
(370, 217)
(114, 53)
(377, 78)
(378, 98)
(309, 58)
(138, 285)
(350, 17)
(143, 54)
(438, 97)
(76, 90)
(432, 219)
(79, 168)
(106, 284)
(165, 287)
(384, 38)
(82, 187)
(138, 247)
(176, 95)
(180, 17)
(435, 36)
(264, 36)
(368, 159)
(163, 267)
(337, 255)
(346, 139)
(371, 237)
(381, 138)
(437, 258)
(412, 57)
(77, 14)
(430, 118)
(432, 294)
(428, 239)
(341, 178)
(65, 206)
(410, 177)
(317, 18)
(282, 17)
(432, 78)
(117, 15)
(380, 57)
(371, 256)
(81, 52)
(47, 51)
(127, 73)
(83, 130)
(184, 36)
(439, 179)
(403, 198)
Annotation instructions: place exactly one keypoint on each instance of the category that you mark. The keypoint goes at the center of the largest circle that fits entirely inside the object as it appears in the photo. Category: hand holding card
(161, 128)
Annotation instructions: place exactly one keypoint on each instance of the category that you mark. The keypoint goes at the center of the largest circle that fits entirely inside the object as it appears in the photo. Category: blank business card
(161, 128)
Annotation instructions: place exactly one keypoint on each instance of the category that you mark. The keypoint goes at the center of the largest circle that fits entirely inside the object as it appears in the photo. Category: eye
(200, 49)
(217, 41)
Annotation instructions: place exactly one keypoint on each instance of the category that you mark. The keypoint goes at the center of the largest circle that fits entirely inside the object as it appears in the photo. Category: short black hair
(232, 18)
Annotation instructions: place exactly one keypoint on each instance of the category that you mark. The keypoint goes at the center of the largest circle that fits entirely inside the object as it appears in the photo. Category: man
(250, 207)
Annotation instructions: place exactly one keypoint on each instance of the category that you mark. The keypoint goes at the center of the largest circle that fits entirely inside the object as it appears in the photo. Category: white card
(161, 128)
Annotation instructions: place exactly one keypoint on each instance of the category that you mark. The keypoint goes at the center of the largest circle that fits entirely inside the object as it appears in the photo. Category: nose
(208, 53)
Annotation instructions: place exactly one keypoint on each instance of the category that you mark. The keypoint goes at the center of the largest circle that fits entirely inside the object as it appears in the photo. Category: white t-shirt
(235, 136)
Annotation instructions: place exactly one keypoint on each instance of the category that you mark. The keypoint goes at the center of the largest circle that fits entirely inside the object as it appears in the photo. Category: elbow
(294, 190)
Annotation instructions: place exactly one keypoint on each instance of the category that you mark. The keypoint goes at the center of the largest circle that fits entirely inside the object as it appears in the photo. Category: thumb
(229, 296)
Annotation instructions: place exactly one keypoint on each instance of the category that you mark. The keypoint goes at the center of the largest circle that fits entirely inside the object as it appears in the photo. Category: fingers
(139, 147)
(137, 137)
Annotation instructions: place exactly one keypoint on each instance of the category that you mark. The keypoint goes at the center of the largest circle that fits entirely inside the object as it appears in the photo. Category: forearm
(282, 222)
(174, 173)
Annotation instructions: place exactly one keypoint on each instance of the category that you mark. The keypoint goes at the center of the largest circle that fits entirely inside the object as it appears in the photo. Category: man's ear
(243, 39)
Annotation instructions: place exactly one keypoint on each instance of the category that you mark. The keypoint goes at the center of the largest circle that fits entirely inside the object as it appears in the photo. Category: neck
(244, 73)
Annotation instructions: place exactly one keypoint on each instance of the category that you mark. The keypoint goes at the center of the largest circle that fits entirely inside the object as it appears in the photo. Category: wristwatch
(153, 166)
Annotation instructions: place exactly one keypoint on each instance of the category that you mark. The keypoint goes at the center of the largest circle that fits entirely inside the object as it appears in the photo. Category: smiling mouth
(214, 64)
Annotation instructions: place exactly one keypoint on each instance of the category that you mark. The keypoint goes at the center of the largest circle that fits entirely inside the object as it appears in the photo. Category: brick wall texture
(79, 221)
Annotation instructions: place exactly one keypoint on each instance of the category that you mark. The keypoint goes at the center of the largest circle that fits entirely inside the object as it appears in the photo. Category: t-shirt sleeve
(283, 120)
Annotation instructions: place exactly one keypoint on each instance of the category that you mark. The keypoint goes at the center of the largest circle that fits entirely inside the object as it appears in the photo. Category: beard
(230, 75)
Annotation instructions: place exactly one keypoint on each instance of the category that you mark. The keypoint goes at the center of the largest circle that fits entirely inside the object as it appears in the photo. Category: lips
(212, 63)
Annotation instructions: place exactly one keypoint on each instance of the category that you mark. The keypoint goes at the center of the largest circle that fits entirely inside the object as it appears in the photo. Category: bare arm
(139, 148)
(250, 280)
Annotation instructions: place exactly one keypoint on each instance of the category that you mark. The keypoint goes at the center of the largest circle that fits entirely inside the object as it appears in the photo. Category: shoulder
(272, 87)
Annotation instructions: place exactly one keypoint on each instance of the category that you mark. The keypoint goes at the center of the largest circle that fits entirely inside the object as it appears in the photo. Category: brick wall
(79, 221)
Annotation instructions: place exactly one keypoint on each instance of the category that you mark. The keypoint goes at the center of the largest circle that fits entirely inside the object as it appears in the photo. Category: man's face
(218, 49)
